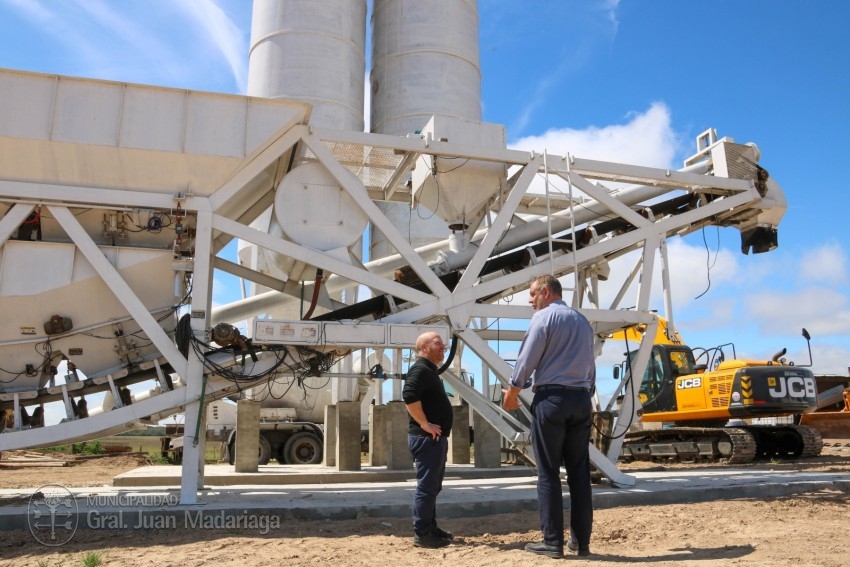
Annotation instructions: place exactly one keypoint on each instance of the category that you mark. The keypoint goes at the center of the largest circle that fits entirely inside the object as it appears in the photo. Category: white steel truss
(526, 234)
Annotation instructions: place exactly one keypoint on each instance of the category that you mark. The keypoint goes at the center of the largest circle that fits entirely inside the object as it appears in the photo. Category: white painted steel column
(193, 448)
(13, 219)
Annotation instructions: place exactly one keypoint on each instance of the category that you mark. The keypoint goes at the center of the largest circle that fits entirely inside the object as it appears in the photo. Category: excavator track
(785, 441)
(690, 444)
(732, 445)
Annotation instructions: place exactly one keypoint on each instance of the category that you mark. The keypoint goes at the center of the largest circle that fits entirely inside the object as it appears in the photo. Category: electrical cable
(628, 388)
(314, 300)
(436, 185)
(450, 358)
(709, 264)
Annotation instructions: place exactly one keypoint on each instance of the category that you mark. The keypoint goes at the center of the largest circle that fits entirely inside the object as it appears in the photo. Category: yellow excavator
(703, 400)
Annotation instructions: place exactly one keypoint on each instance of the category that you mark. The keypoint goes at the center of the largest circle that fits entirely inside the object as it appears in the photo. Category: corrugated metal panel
(90, 133)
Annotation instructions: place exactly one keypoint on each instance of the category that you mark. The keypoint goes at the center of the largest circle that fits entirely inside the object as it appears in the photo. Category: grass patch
(92, 559)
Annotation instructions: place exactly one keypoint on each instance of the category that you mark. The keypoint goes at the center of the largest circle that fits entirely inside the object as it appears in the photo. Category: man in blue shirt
(556, 358)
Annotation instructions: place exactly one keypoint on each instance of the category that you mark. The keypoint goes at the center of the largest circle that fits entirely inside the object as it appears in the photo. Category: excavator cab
(657, 391)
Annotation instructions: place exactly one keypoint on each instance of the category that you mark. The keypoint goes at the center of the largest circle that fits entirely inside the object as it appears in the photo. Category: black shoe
(580, 551)
(542, 548)
(442, 534)
(430, 540)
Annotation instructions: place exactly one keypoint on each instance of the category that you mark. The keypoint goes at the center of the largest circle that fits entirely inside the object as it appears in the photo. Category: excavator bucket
(831, 424)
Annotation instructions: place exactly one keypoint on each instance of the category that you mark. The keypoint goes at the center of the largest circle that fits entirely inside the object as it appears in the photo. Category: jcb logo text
(793, 387)
(689, 383)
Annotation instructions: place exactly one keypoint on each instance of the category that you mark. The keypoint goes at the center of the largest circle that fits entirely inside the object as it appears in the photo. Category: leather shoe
(430, 540)
(442, 533)
(580, 551)
(542, 548)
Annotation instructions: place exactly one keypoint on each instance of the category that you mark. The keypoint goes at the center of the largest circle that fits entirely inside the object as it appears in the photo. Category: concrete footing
(459, 453)
(348, 436)
(377, 435)
(488, 444)
(247, 448)
(398, 453)
(329, 459)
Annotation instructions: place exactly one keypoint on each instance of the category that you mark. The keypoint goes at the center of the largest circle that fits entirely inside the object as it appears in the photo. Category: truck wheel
(303, 448)
(263, 457)
(265, 451)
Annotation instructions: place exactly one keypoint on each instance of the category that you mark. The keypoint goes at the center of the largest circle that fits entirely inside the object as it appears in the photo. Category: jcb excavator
(704, 404)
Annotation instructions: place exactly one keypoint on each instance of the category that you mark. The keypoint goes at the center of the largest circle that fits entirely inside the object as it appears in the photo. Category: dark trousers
(429, 456)
(560, 433)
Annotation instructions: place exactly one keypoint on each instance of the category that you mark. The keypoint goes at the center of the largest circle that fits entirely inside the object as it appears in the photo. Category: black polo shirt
(423, 384)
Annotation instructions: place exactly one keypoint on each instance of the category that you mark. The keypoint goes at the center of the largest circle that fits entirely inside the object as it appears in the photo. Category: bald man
(427, 437)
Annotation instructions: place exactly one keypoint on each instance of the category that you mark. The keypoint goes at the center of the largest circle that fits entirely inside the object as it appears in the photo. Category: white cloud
(647, 139)
(219, 30)
(695, 270)
(826, 358)
(827, 263)
(55, 22)
(609, 9)
(31, 9)
(591, 28)
(823, 311)
(138, 43)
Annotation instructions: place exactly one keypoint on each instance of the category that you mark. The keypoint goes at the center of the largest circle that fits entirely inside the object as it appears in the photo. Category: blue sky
(632, 81)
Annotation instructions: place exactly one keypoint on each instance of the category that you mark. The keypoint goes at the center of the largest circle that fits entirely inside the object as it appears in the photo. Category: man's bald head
(430, 345)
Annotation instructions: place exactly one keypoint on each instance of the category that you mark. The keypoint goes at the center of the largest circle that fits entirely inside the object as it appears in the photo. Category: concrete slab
(225, 475)
(325, 495)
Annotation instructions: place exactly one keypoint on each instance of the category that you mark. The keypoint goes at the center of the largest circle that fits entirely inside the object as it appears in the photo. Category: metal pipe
(531, 231)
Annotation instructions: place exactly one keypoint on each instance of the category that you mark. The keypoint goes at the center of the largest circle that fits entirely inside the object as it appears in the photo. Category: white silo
(311, 52)
(425, 62)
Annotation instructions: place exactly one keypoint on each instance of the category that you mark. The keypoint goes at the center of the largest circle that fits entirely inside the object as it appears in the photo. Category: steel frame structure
(639, 218)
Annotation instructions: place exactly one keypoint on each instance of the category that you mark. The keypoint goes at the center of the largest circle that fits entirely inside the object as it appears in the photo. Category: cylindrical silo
(424, 62)
(313, 52)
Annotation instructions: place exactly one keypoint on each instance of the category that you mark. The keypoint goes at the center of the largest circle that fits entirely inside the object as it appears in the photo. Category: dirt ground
(806, 529)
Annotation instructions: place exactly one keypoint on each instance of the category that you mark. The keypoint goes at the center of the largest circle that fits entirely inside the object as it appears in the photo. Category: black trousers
(560, 433)
(429, 456)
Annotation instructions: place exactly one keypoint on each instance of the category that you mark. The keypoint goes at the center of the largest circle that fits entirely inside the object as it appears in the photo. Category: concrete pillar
(377, 435)
(398, 453)
(488, 444)
(247, 436)
(329, 459)
(459, 439)
(348, 436)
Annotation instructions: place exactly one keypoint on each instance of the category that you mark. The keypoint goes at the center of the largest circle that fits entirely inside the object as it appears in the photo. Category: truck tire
(264, 455)
(303, 448)
(265, 451)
